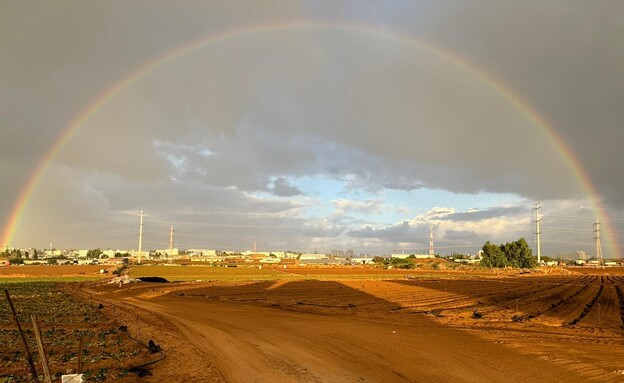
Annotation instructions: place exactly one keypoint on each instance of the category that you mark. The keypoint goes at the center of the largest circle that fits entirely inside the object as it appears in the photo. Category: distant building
(400, 255)
(308, 256)
(320, 261)
(114, 261)
(52, 253)
(417, 256)
(107, 254)
(611, 263)
(144, 254)
(574, 255)
(168, 252)
(362, 261)
(81, 253)
(204, 252)
(271, 260)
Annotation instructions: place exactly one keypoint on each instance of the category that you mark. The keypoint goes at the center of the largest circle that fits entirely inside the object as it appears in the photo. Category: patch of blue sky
(325, 190)
(422, 200)
(397, 205)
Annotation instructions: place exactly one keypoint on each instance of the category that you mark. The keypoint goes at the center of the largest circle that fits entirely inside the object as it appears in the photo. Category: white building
(204, 252)
(308, 256)
(362, 261)
(81, 253)
(108, 254)
(168, 252)
(271, 260)
(417, 256)
(144, 254)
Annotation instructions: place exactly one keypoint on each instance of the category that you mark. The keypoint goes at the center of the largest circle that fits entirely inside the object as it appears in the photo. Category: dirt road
(214, 340)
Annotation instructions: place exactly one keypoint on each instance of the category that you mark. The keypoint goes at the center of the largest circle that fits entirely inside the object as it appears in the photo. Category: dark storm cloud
(247, 117)
(392, 233)
(480, 215)
(282, 188)
(459, 235)
(323, 230)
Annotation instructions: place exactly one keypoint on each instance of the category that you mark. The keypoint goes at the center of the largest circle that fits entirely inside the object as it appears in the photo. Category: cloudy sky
(312, 126)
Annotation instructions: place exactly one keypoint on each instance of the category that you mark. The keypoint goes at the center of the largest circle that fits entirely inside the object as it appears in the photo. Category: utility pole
(171, 231)
(597, 240)
(538, 219)
(431, 251)
(140, 234)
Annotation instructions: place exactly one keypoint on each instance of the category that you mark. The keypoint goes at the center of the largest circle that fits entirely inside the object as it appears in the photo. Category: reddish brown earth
(15, 271)
(380, 330)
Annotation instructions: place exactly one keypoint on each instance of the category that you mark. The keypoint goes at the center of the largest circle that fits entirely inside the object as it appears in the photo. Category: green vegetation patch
(205, 273)
(63, 320)
(18, 280)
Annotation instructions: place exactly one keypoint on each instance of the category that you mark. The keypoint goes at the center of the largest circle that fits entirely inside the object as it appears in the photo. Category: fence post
(42, 354)
(29, 358)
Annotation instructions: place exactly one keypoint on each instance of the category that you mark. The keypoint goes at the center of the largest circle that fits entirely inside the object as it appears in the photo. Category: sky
(312, 126)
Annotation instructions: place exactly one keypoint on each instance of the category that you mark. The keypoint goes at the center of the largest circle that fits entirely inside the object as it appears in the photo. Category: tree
(515, 254)
(378, 259)
(94, 254)
(457, 256)
(493, 256)
(524, 255)
(401, 263)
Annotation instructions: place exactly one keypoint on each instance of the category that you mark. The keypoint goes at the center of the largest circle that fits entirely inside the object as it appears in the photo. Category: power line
(566, 230)
(568, 242)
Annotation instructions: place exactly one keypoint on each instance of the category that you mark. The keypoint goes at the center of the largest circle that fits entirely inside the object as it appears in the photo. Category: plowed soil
(546, 328)
(38, 271)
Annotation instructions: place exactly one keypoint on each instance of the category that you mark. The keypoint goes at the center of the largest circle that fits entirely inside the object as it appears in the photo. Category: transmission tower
(431, 251)
(597, 241)
(538, 219)
(171, 233)
(140, 233)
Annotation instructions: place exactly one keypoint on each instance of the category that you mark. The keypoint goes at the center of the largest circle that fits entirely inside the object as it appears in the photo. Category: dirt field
(547, 328)
(52, 271)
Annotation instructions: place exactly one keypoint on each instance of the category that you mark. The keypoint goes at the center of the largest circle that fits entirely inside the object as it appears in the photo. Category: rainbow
(461, 63)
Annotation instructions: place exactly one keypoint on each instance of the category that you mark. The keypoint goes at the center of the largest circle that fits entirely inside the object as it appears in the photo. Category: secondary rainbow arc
(461, 63)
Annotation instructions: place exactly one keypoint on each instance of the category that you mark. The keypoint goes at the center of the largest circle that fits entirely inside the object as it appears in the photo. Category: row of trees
(15, 256)
(512, 254)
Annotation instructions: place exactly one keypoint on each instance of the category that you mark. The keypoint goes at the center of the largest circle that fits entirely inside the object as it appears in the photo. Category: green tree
(94, 254)
(519, 254)
(515, 254)
(457, 256)
(493, 256)
(401, 263)
(524, 255)
(378, 259)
